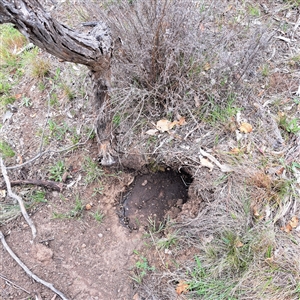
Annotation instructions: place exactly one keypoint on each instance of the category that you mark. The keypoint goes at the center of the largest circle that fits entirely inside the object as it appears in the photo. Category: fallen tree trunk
(93, 50)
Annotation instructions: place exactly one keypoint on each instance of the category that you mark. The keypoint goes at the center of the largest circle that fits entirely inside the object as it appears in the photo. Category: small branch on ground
(28, 272)
(52, 185)
(18, 198)
(12, 283)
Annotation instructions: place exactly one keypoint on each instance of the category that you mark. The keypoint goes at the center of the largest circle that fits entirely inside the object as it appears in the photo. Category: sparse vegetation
(78, 208)
(291, 126)
(98, 216)
(57, 171)
(57, 131)
(6, 150)
(26, 102)
(74, 213)
(98, 191)
(93, 172)
(40, 68)
(203, 284)
(169, 240)
(39, 197)
(141, 268)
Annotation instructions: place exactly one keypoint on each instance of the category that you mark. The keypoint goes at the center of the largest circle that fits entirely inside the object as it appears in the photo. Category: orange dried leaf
(260, 93)
(294, 222)
(235, 151)
(165, 125)
(181, 121)
(18, 96)
(288, 228)
(280, 171)
(269, 259)
(136, 297)
(201, 26)
(182, 287)
(88, 206)
(255, 211)
(239, 244)
(246, 127)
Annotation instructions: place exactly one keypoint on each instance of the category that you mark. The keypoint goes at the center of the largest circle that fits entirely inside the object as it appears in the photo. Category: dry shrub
(178, 49)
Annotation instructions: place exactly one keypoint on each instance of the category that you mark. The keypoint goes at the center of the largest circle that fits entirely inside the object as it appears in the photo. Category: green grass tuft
(6, 150)
(93, 171)
(57, 171)
(203, 284)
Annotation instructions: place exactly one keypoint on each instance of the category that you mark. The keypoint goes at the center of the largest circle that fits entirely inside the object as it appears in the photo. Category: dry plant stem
(18, 198)
(12, 283)
(163, 263)
(28, 272)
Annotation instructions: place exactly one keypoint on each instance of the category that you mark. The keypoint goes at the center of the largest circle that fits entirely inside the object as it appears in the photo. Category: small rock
(83, 245)
(100, 235)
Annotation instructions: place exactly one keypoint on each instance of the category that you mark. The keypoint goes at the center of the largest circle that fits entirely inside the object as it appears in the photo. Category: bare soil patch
(154, 196)
(82, 258)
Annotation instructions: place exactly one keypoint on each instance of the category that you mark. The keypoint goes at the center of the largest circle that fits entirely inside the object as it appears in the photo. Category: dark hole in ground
(154, 197)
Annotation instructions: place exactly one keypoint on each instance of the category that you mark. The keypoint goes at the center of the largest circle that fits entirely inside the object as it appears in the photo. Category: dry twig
(15, 285)
(28, 272)
(52, 185)
(18, 198)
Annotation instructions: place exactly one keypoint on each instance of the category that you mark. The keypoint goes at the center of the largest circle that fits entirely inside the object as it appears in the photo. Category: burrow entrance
(154, 197)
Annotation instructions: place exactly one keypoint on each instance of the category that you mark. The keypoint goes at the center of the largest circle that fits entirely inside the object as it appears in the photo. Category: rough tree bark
(93, 50)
